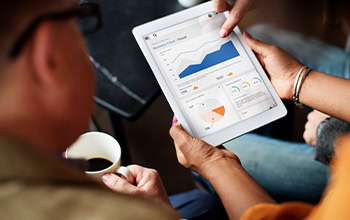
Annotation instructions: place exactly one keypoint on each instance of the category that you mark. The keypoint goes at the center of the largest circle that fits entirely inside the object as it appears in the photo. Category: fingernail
(223, 33)
(106, 177)
(174, 122)
(247, 34)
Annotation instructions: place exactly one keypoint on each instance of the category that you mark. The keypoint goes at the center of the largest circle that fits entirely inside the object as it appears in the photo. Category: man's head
(46, 90)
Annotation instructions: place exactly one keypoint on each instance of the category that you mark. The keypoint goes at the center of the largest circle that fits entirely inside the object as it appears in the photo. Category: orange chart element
(220, 110)
(211, 110)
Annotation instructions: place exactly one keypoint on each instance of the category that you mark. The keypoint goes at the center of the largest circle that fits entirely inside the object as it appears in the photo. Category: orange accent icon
(220, 110)
(195, 87)
(230, 74)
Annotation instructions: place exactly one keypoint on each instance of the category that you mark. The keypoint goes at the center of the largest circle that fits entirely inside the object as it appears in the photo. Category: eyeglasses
(90, 20)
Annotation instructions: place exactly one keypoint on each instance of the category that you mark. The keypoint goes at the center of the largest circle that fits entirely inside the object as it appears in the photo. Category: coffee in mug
(102, 153)
(96, 164)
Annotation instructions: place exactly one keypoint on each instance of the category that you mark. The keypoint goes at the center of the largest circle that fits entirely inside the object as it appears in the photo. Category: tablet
(215, 86)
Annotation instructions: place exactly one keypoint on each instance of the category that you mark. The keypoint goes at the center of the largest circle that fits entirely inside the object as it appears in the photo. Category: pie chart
(211, 110)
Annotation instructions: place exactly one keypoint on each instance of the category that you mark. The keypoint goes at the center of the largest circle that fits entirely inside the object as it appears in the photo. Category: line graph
(226, 52)
(191, 51)
(195, 58)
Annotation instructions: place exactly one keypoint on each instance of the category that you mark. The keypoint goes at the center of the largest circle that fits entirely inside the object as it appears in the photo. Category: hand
(194, 153)
(147, 184)
(281, 67)
(237, 11)
(314, 118)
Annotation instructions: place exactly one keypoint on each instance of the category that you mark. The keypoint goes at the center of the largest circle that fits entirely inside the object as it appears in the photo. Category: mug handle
(124, 172)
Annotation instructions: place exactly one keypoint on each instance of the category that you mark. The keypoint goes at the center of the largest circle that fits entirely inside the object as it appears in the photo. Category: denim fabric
(286, 170)
(197, 204)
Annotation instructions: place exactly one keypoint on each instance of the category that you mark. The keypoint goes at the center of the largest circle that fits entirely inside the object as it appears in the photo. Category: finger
(309, 140)
(259, 47)
(261, 60)
(137, 172)
(221, 5)
(180, 156)
(239, 9)
(118, 184)
(306, 136)
(125, 173)
(145, 176)
(175, 121)
(308, 125)
(178, 152)
(180, 137)
(311, 116)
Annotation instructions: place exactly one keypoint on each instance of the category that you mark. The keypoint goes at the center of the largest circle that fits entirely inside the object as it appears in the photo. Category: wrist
(293, 79)
(304, 71)
(212, 169)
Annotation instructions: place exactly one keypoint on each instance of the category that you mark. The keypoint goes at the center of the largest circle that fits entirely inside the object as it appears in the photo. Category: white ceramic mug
(99, 145)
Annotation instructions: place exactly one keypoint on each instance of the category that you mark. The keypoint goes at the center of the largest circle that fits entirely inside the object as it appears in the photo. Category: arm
(236, 188)
(326, 93)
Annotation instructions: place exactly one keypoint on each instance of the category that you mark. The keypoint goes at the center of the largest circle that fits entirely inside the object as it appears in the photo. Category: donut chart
(211, 110)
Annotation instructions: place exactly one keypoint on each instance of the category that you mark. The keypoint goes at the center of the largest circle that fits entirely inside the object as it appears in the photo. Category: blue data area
(227, 51)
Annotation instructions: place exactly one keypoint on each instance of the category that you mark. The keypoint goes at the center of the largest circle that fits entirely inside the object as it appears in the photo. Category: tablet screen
(212, 79)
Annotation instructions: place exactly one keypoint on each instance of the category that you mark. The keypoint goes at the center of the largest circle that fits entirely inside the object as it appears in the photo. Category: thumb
(180, 136)
(118, 184)
(240, 8)
(259, 47)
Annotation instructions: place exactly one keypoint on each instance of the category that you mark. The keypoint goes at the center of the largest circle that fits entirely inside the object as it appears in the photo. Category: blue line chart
(226, 52)
(191, 51)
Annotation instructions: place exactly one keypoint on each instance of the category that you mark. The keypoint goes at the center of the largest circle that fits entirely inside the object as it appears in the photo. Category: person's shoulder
(45, 201)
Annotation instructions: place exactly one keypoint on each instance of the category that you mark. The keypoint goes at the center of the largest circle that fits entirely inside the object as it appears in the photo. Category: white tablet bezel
(234, 130)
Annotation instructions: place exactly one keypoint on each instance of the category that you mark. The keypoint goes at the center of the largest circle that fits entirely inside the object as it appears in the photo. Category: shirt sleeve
(336, 200)
(291, 210)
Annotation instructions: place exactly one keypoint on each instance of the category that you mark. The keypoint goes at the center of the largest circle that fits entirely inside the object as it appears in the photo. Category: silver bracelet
(298, 83)
(297, 79)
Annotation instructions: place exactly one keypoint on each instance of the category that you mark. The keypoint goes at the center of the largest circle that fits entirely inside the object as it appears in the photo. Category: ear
(44, 55)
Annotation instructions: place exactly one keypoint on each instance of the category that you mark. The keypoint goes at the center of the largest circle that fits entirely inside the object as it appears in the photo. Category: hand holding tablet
(215, 86)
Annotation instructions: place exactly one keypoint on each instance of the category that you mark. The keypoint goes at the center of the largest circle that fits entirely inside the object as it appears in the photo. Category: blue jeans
(197, 204)
(286, 170)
